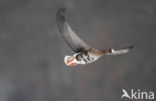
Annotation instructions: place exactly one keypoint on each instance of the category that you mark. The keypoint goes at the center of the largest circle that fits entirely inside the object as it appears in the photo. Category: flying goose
(84, 54)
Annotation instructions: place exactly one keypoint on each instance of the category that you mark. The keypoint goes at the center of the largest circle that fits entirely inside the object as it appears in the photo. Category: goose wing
(69, 36)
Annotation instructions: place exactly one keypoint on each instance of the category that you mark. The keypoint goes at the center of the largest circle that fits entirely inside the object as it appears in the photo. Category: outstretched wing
(70, 37)
(117, 52)
(121, 51)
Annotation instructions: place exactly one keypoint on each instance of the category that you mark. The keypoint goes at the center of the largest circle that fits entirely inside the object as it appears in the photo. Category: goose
(84, 54)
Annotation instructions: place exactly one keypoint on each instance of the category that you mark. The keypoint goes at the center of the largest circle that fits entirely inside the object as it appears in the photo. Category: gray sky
(32, 51)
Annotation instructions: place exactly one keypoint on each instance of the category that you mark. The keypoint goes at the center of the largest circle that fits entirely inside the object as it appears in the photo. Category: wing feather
(69, 36)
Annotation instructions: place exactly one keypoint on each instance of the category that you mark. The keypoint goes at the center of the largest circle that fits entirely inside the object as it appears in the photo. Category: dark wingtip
(60, 18)
(60, 11)
(129, 47)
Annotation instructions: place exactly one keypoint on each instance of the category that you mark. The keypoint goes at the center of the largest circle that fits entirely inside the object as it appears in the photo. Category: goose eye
(77, 58)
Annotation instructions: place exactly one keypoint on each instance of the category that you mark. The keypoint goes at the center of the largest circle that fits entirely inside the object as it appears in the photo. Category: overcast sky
(32, 51)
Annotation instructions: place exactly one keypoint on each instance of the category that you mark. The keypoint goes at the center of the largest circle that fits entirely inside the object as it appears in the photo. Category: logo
(137, 94)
